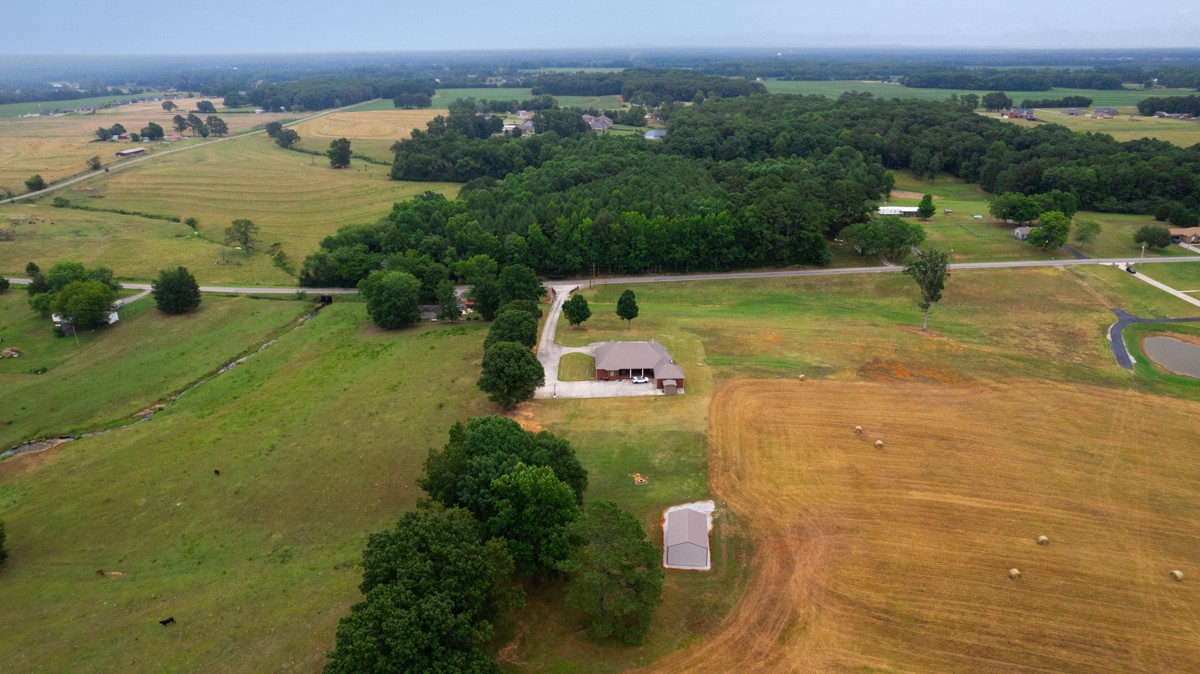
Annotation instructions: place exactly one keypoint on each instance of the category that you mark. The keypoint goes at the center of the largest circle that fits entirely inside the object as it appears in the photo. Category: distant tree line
(542, 102)
(1023, 79)
(1064, 102)
(1170, 104)
(319, 93)
(641, 84)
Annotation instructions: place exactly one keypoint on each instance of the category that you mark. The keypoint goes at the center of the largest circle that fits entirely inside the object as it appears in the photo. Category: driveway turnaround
(549, 354)
(1117, 341)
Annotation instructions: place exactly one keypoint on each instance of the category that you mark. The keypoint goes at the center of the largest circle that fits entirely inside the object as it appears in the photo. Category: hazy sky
(252, 26)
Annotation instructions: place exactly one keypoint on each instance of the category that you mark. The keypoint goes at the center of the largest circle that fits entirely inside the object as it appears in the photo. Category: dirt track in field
(897, 558)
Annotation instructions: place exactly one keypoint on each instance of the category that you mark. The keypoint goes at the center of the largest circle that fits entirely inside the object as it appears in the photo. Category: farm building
(626, 360)
(1103, 113)
(1021, 233)
(685, 539)
(1020, 113)
(1185, 235)
(131, 151)
(1072, 112)
(898, 210)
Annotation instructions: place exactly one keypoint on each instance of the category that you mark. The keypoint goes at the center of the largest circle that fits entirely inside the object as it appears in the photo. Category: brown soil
(897, 559)
(905, 194)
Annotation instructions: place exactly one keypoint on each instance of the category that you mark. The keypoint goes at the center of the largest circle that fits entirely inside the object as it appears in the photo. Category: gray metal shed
(685, 539)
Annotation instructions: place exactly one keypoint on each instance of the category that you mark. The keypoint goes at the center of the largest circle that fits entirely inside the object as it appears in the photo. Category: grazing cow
(216, 472)
(168, 621)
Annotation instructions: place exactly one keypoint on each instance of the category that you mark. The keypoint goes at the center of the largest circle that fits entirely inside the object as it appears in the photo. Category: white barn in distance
(685, 540)
(907, 211)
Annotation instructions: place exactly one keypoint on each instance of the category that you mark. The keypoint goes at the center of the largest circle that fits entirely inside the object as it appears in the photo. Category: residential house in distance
(1021, 233)
(1189, 235)
(1072, 112)
(1105, 113)
(599, 124)
(1020, 113)
(626, 360)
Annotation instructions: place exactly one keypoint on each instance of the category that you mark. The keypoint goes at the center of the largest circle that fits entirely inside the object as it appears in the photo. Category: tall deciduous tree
(1086, 231)
(152, 131)
(449, 306)
(216, 125)
(35, 182)
(206, 107)
(996, 100)
(287, 138)
(176, 291)
(1155, 236)
(533, 512)
(393, 298)
(512, 326)
(511, 373)
(180, 123)
(576, 309)
(431, 589)
(930, 270)
(518, 282)
(339, 153)
(627, 307)
(169, 106)
(273, 128)
(1051, 232)
(617, 579)
(242, 233)
(84, 304)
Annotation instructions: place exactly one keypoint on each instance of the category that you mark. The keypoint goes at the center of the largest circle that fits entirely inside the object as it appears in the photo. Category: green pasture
(834, 88)
(18, 109)
(372, 105)
(295, 199)
(1184, 277)
(1128, 126)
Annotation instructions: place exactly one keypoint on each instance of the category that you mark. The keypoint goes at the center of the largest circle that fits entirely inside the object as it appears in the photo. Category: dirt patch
(905, 194)
(525, 416)
(147, 411)
(882, 370)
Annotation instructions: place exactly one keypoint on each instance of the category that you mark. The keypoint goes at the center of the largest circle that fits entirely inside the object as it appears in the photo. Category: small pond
(1175, 355)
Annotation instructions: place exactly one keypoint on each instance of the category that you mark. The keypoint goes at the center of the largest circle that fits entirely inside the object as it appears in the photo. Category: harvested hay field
(371, 133)
(898, 559)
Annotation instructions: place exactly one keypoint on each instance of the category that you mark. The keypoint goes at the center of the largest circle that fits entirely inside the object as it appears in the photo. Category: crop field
(991, 240)
(858, 548)
(370, 133)
(1129, 126)
(59, 147)
(295, 199)
(834, 88)
(87, 386)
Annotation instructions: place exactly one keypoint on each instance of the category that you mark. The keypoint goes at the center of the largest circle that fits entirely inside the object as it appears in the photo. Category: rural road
(133, 162)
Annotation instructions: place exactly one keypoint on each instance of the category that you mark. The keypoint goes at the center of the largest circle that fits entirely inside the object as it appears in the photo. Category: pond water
(1176, 355)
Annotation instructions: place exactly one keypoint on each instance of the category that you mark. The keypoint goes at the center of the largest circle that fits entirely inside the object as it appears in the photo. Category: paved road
(1117, 341)
(126, 163)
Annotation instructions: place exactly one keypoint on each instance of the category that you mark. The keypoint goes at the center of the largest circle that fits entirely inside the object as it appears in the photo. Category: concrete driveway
(549, 353)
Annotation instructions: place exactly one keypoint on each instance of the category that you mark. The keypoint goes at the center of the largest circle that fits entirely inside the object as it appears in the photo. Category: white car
(640, 380)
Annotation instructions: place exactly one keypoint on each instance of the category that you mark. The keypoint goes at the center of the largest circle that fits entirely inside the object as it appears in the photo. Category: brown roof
(1185, 231)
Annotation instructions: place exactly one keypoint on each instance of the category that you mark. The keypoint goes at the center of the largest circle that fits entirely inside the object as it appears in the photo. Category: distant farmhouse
(1105, 113)
(1020, 113)
(626, 360)
(599, 124)
(1021, 233)
(1072, 112)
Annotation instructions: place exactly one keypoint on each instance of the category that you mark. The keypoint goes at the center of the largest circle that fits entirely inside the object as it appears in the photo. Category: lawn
(370, 133)
(834, 88)
(59, 147)
(577, 367)
(295, 199)
(92, 384)
(1184, 277)
(1129, 126)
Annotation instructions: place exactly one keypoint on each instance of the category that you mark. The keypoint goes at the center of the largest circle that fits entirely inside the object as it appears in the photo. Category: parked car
(640, 380)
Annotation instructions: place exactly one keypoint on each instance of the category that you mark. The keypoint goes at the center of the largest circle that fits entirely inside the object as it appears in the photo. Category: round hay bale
(1042, 540)
(879, 444)
(803, 378)
(1177, 575)
(1014, 573)
(858, 429)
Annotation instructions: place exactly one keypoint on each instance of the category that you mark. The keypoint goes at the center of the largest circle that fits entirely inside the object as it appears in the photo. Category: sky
(305, 26)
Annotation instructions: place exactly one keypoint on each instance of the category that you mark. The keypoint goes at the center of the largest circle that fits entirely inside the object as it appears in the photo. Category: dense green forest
(645, 85)
(743, 182)
(321, 93)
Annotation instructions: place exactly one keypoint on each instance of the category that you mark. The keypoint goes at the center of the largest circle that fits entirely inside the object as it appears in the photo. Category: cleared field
(834, 88)
(1129, 126)
(91, 385)
(318, 440)
(295, 199)
(577, 367)
(18, 109)
(857, 549)
(370, 133)
(991, 240)
(1180, 277)
(59, 147)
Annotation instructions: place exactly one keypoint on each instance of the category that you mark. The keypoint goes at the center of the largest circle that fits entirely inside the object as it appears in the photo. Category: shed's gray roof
(686, 526)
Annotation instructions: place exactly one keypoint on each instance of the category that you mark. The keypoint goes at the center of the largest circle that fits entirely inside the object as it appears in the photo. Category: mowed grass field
(834, 88)
(1185, 278)
(118, 370)
(371, 134)
(857, 549)
(991, 240)
(295, 199)
(59, 147)
(318, 439)
(1128, 126)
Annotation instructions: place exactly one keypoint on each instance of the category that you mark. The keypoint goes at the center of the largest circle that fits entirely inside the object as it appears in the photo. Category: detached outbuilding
(685, 540)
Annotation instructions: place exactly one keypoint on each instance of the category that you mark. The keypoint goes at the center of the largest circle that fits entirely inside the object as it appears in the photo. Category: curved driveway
(1117, 340)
